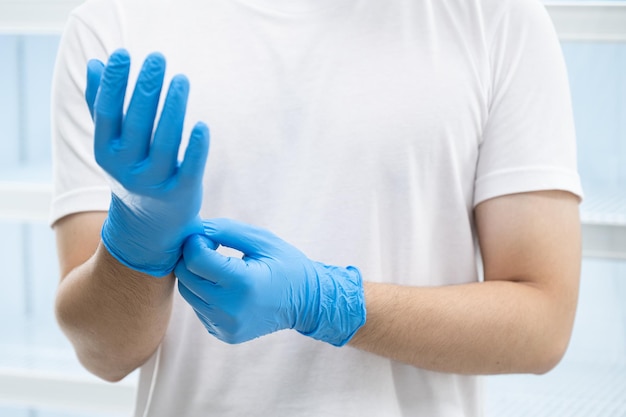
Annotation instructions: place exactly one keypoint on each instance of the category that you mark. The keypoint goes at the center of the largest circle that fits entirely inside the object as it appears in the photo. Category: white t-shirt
(363, 132)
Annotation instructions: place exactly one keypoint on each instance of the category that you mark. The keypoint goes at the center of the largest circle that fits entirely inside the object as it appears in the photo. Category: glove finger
(203, 287)
(192, 168)
(199, 306)
(193, 299)
(95, 68)
(164, 149)
(139, 120)
(191, 295)
(109, 105)
(253, 241)
(208, 324)
(201, 259)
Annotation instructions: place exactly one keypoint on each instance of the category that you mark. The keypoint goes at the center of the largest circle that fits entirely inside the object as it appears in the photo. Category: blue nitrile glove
(155, 200)
(273, 287)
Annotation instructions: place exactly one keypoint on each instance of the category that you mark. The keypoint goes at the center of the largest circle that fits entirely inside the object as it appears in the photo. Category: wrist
(149, 261)
(148, 245)
(110, 267)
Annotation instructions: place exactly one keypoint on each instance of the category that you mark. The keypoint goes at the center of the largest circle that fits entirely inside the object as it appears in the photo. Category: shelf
(34, 16)
(24, 201)
(39, 369)
(603, 216)
(571, 389)
(25, 193)
(58, 391)
(574, 20)
(52, 379)
(603, 21)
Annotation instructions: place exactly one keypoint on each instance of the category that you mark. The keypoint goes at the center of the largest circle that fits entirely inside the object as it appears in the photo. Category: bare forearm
(480, 328)
(115, 317)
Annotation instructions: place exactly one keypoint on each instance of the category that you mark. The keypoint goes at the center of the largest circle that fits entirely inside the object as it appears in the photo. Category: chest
(390, 92)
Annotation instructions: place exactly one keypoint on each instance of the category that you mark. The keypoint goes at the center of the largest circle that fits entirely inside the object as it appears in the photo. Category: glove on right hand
(273, 287)
(155, 200)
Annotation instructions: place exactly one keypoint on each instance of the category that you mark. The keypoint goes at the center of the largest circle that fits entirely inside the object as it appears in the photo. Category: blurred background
(39, 375)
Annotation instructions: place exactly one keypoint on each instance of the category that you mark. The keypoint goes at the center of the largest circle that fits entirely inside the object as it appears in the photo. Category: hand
(155, 200)
(273, 287)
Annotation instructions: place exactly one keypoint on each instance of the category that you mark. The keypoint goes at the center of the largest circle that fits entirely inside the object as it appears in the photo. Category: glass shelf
(35, 16)
(603, 213)
(40, 370)
(603, 216)
(583, 389)
(589, 20)
(605, 206)
(25, 193)
(34, 388)
(574, 20)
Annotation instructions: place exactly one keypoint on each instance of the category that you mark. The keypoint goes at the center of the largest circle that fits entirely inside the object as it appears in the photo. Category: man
(387, 142)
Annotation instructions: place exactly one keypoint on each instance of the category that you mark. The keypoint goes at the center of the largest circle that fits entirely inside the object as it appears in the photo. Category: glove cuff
(139, 246)
(341, 304)
(165, 265)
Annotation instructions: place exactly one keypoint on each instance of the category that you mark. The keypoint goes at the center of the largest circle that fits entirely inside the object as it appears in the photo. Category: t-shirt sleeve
(529, 138)
(79, 184)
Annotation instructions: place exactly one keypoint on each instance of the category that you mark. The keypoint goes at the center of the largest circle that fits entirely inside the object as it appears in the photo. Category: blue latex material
(274, 286)
(155, 199)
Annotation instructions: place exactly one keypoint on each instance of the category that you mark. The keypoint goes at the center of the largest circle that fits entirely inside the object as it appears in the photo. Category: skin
(518, 320)
(115, 317)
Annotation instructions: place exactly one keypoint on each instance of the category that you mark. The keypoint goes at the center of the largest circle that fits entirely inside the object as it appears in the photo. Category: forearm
(479, 328)
(115, 317)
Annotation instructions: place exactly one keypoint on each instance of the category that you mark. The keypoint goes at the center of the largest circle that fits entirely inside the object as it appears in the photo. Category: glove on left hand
(273, 287)
(155, 200)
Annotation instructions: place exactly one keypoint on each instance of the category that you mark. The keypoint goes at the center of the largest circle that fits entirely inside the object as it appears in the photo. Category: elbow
(107, 363)
(553, 341)
(109, 371)
(550, 354)
(97, 355)
(113, 378)
(553, 332)
(546, 363)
